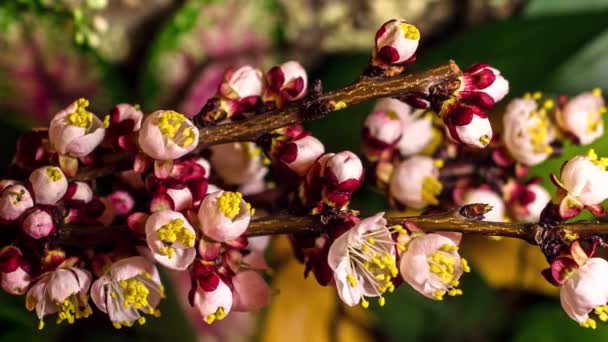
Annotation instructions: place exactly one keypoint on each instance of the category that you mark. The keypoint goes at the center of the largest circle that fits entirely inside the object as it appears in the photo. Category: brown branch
(465, 219)
(365, 89)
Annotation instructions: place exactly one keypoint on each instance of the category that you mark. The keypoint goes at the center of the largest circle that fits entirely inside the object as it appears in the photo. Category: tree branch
(465, 219)
(365, 89)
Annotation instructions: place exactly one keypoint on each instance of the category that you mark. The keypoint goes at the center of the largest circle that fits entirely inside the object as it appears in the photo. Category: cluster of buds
(246, 91)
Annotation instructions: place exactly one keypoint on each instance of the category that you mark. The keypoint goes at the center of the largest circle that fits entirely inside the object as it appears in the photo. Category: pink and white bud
(75, 131)
(130, 288)
(14, 201)
(238, 163)
(396, 42)
(527, 132)
(122, 202)
(38, 223)
(416, 134)
(167, 135)
(390, 105)
(182, 198)
(586, 179)
(467, 125)
(289, 80)
(213, 305)
(582, 117)
(48, 184)
(432, 265)
(129, 117)
(415, 182)
(300, 154)
(5, 183)
(526, 201)
(15, 270)
(343, 171)
(483, 85)
(381, 131)
(79, 193)
(63, 291)
(368, 242)
(487, 196)
(243, 82)
(224, 215)
(171, 239)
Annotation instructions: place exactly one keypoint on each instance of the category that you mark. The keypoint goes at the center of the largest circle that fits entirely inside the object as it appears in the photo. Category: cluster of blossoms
(187, 207)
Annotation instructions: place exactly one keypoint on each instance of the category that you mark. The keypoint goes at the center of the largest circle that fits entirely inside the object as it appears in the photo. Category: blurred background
(171, 54)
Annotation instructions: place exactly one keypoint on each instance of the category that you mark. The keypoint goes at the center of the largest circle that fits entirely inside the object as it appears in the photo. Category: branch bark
(365, 89)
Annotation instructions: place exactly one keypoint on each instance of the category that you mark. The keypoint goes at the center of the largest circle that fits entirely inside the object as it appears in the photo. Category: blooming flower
(527, 132)
(213, 305)
(224, 215)
(171, 239)
(582, 117)
(130, 288)
(483, 85)
(48, 185)
(63, 291)
(414, 182)
(396, 42)
(14, 201)
(15, 271)
(432, 265)
(467, 124)
(363, 261)
(167, 135)
(241, 83)
(38, 223)
(75, 131)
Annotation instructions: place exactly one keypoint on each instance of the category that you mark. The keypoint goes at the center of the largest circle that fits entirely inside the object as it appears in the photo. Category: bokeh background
(171, 54)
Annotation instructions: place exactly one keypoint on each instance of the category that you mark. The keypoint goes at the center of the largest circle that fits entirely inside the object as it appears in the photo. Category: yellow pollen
(172, 232)
(135, 294)
(371, 240)
(41, 325)
(465, 265)
(431, 188)
(597, 92)
(117, 325)
(602, 163)
(229, 204)
(410, 31)
(438, 163)
(81, 117)
(391, 114)
(589, 323)
(106, 121)
(364, 303)
(549, 104)
(141, 320)
(592, 123)
(484, 139)
(53, 173)
(171, 123)
(220, 313)
(381, 301)
(72, 308)
(438, 295)
(539, 133)
(339, 105)
(352, 281)
(602, 312)
(537, 95)
(527, 96)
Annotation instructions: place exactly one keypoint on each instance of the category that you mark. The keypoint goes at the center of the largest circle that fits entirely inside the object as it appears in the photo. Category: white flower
(363, 261)
(586, 179)
(171, 239)
(582, 117)
(224, 215)
(415, 183)
(167, 135)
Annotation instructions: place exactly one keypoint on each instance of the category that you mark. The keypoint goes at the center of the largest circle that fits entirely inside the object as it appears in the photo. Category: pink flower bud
(75, 131)
(584, 290)
(526, 201)
(467, 125)
(243, 82)
(415, 183)
(213, 305)
(300, 154)
(527, 132)
(167, 135)
(48, 185)
(381, 131)
(238, 163)
(582, 117)
(586, 179)
(14, 271)
(129, 117)
(416, 135)
(487, 196)
(79, 193)
(182, 198)
(343, 171)
(224, 215)
(14, 201)
(289, 80)
(122, 202)
(396, 42)
(483, 85)
(399, 108)
(5, 183)
(38, 224)
(171, 239)
(432, 265)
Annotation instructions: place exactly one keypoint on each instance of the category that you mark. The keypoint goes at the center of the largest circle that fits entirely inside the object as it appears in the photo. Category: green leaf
(552, 7)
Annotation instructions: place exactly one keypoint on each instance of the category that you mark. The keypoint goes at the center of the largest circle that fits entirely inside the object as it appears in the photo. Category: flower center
(133, 294)
(431, 188)
(81, 117)
(410, 31)
(173, 125)
(76, 306)
(172, 232)
(600, 162)
(18, 196)
(229, 203)
(53, 173)
(219, 314)
(539, 133)
(442, 264)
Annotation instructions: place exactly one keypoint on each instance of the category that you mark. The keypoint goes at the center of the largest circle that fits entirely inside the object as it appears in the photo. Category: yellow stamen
(410, 31)
(53, 173)
(172, 232)
(229, 204)
(484, 139)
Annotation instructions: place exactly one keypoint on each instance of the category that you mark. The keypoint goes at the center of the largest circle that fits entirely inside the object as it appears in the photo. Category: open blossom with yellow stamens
(582, 117)
(224, 215)
(167, 135)
(414, 182)
(527, 130)
(48, 185)
(171, 239)
(432, 265)
(131, 287)
(63, 291)
(213, 305)
(363, 261)
(75, 131)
